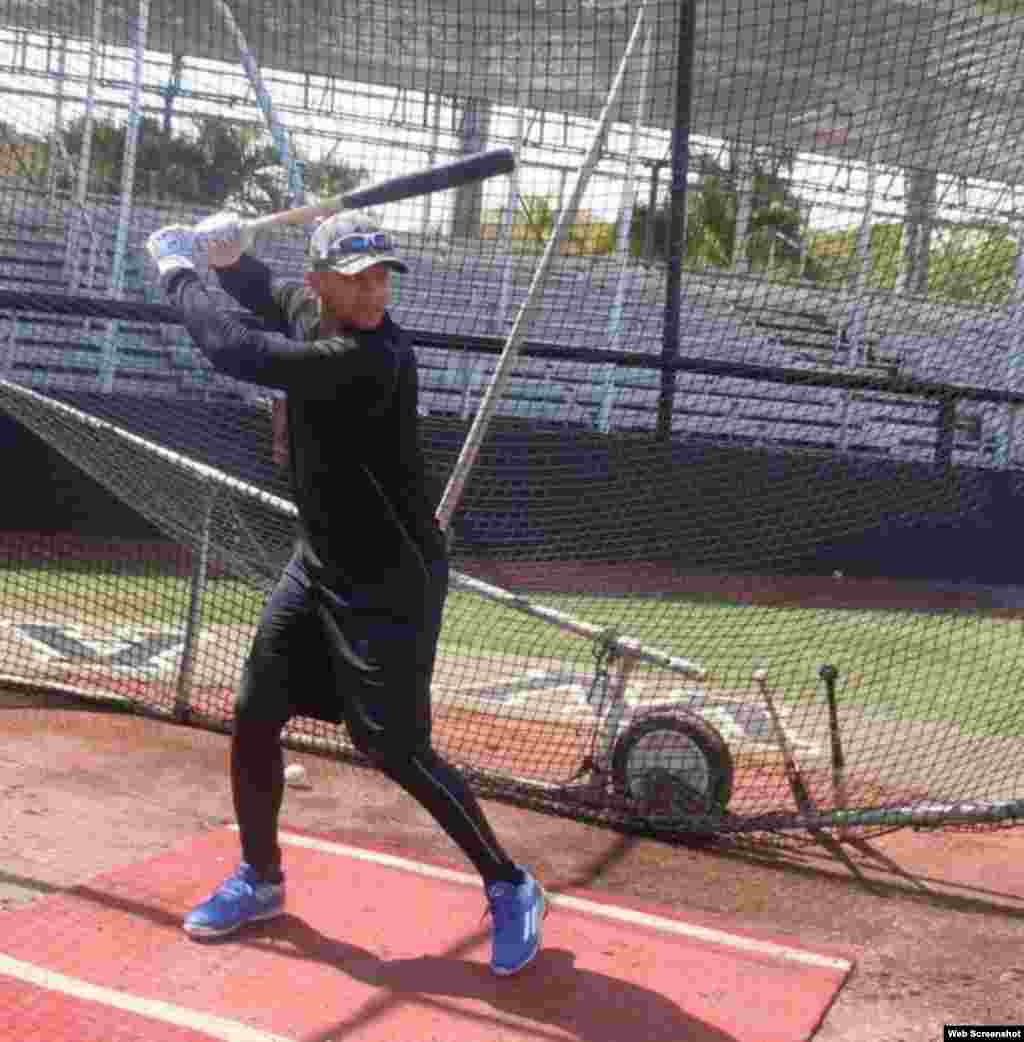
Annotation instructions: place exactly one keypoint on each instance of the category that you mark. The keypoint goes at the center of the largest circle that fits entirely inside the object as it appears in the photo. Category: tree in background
(537, 213)
(214, 163)
(968, 263)
(534, 222)
(974, 264)
(21, 155)
(775, 233)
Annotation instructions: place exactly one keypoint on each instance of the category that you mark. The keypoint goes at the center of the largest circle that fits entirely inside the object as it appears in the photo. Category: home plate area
(373, 946)
(560, 693)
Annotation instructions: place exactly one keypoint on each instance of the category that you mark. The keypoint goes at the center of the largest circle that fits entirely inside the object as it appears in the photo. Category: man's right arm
(243, 277)
(250, 282)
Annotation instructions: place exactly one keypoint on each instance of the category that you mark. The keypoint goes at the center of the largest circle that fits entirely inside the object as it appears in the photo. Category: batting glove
(226, 238)
(171, 248)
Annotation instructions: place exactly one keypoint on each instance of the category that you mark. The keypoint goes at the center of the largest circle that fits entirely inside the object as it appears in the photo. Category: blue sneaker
(240, 899)
(518, 912)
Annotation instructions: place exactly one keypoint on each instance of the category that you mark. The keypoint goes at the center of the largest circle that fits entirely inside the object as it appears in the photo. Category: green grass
(1000, 7)
(124, 597)
(929, 666)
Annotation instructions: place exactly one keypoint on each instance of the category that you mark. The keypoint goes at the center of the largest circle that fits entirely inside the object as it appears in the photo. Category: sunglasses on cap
(360, 242)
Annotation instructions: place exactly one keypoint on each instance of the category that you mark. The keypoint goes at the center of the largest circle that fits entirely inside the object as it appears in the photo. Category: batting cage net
(718, 386)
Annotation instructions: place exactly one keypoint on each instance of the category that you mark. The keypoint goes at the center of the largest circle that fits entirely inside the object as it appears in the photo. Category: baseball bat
(796, 784)
(829, 674)
(477, 167)
(796, 780)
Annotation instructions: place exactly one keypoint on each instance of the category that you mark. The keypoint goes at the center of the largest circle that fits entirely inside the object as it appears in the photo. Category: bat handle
(299, 215)
(829, 674)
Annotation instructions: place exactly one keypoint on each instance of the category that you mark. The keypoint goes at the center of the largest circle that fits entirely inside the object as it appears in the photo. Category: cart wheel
(675, 766)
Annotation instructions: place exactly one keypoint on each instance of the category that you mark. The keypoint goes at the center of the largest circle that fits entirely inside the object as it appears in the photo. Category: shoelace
(497, 904)
(236, 886)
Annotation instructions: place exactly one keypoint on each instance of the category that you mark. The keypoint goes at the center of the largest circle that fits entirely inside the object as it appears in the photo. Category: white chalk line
(153, 1009)
(745, 945)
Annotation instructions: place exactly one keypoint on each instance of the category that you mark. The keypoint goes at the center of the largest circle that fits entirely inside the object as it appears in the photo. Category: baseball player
(349, 634)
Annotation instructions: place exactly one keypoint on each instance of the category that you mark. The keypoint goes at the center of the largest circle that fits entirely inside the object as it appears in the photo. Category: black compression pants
(293, 669)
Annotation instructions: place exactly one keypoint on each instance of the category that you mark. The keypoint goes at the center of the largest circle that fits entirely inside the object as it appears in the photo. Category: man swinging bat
(350, 631)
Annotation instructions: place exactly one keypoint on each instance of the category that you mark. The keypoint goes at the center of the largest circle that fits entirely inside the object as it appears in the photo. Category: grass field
(959, 667)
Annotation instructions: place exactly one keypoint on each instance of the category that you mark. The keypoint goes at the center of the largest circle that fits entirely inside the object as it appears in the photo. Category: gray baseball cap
(351, 242)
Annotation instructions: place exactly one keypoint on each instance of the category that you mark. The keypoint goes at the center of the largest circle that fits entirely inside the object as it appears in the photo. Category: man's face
(355, 301)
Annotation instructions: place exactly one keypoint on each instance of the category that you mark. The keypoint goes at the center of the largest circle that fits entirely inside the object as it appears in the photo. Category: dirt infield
(937, 936)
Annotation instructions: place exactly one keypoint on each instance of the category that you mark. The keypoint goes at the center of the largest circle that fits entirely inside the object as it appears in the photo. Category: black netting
(752, 301)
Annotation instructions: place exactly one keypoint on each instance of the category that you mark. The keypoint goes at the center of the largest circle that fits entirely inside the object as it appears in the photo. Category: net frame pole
(1005, 447)
(131, 146)
(627, 203)
(278, 133)
(686, 49)
(856, 317)
(197, 588)
(435, 140)
(108, 361)
(52, 175)
(744, 161)
(85, 156)
(506, 233)
(567, 214)
(10, 345)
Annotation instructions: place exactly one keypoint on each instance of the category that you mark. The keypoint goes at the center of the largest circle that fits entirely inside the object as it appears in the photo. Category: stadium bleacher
(455, 292)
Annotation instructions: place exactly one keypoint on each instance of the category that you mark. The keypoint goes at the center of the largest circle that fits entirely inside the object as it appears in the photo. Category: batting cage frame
(729, 457)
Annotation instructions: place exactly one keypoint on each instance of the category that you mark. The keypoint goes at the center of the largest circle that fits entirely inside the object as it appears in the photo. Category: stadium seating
(458, 293)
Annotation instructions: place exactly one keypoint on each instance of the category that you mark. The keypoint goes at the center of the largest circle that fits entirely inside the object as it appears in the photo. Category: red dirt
(85, 791)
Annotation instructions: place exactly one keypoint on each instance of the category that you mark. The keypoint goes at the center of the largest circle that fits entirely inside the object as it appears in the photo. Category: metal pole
(197, 587)
(172, 90)
(109, 359)
(530, 306)
(506, 232)
(946, 434)
(685, 48)
(131, 143)
(856, 308)
(435, 140)
(1004, 449)
(11, 345)
(650, 245)
(278, 133)
(74, 258)
(52, 173)
(627, 203)
(744, 154)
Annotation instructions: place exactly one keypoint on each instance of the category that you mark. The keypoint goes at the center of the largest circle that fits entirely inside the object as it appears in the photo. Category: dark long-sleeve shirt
(365, 503)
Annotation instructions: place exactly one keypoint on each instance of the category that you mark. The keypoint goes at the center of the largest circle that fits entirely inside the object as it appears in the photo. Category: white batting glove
(171, 248)
(226, 238)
